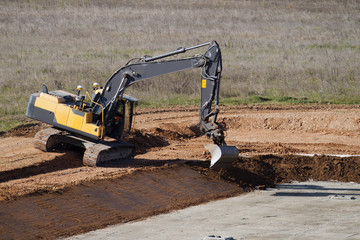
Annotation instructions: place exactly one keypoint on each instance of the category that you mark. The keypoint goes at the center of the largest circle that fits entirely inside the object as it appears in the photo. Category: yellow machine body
(61, 112)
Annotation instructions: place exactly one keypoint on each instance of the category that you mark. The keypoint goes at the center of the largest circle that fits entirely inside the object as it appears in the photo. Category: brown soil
(96, 204)
(47, 195)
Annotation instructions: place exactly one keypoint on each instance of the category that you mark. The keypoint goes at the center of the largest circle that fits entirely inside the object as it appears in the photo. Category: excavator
(98, 122)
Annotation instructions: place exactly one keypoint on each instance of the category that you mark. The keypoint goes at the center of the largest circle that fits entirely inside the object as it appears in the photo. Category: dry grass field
(285, 50)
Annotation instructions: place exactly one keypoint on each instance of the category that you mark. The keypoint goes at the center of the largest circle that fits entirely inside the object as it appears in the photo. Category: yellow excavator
(85, 121)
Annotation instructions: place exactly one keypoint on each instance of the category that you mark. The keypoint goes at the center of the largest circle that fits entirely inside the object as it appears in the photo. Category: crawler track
(103, 153)
(95, 154)
(45, 140)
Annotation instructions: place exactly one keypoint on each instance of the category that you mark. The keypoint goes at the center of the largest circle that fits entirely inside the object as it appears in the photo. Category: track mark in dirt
(92, 205)
(70, 159)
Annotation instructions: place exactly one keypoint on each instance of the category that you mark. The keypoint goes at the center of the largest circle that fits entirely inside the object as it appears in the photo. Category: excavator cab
(121, 122)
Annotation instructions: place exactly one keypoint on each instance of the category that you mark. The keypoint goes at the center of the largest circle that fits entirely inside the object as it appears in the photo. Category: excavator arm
(149, 67)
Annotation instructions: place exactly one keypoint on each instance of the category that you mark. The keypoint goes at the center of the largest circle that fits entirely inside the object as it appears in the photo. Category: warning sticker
(203, 83)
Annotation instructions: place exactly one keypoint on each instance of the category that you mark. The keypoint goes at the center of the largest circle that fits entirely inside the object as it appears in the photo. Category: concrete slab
(300, 210)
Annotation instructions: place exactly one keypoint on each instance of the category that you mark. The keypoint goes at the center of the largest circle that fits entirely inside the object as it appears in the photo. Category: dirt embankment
(94, 205)
(52, 194)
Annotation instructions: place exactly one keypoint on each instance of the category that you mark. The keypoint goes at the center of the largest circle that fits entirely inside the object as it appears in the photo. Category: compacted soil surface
(51, 194)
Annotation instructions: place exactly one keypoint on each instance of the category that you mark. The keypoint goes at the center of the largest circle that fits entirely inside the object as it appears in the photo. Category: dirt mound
(161, 136)
(144, 141)
(176, 132)
(269, 170)
(310, 122)
(26, 130)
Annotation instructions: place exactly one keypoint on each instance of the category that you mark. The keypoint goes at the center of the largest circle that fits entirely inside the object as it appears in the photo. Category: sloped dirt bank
(268, 170)
(93, 205)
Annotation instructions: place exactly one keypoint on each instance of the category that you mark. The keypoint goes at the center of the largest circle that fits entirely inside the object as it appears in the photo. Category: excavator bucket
(222, 156)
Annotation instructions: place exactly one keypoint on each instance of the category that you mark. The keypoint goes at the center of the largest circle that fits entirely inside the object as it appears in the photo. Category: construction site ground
(52, 195)
(297, 210)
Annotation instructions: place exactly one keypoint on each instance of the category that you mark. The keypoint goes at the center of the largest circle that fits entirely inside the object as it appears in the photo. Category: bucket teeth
(222, 156)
